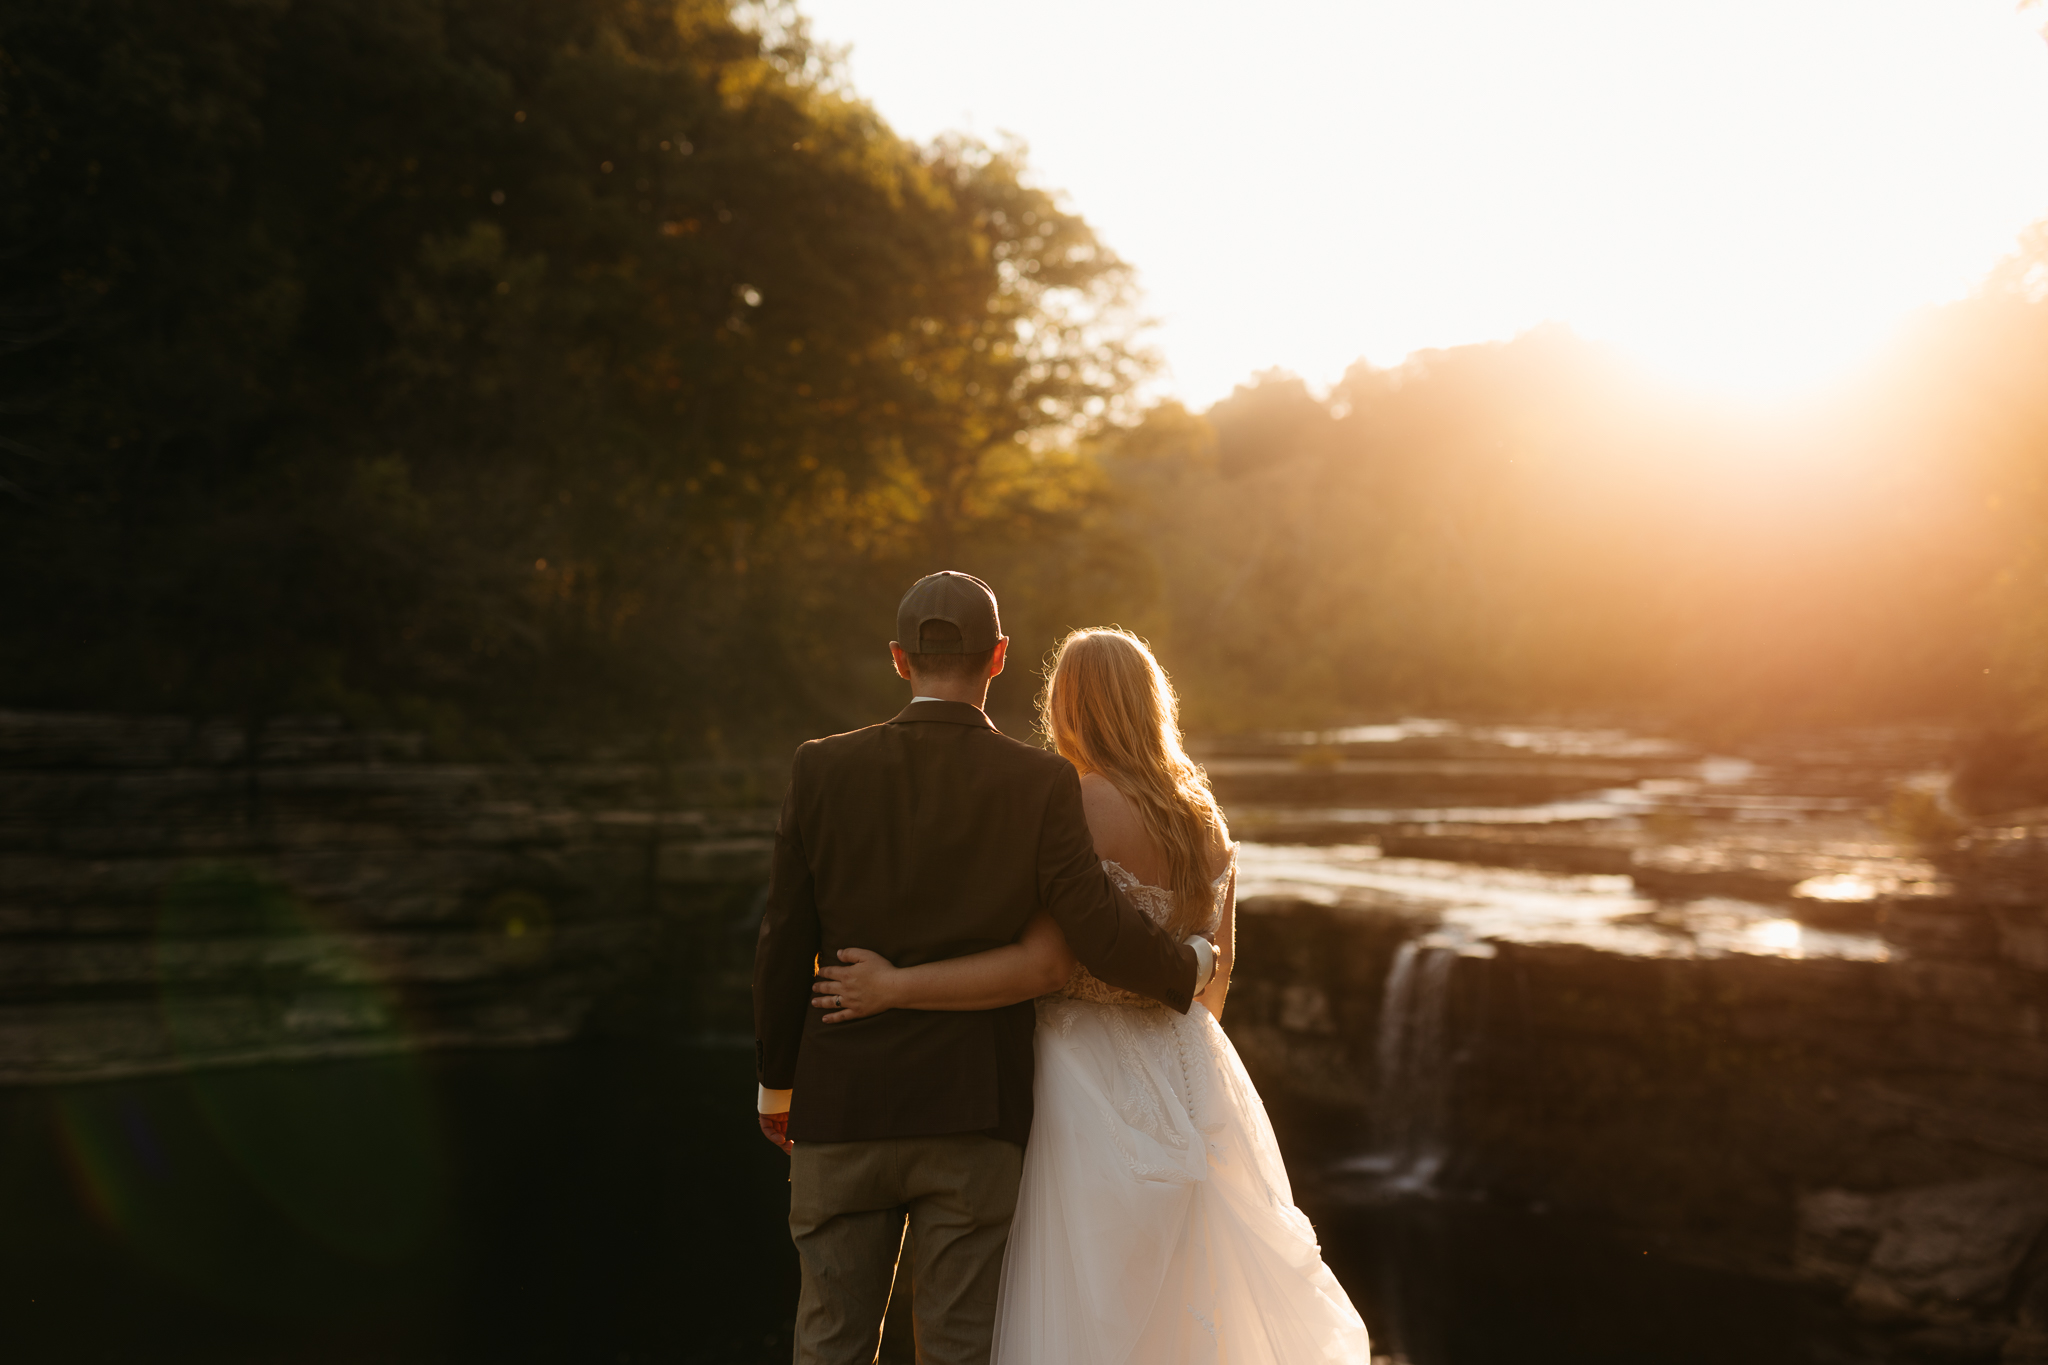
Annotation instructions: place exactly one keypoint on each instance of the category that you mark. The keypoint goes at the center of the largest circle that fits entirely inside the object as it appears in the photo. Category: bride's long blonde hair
(1109, 708)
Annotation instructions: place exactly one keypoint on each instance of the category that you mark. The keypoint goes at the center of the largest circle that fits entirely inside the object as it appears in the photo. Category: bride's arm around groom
(930, 836)
(1029, 851)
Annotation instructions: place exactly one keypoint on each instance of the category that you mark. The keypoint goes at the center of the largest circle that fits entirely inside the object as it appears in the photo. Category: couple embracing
(985, 1004)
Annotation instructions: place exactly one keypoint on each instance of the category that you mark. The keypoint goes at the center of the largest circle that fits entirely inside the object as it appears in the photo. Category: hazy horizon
(1749, 201)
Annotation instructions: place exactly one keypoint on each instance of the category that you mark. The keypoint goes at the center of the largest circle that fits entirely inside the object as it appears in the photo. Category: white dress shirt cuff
(772, 1101)
(1205, 962)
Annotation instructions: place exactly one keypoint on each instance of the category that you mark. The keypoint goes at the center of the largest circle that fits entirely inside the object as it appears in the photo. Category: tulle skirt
(1155, 1225)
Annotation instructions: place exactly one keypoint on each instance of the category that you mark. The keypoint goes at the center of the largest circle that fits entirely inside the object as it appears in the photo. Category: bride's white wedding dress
(1155, 1224)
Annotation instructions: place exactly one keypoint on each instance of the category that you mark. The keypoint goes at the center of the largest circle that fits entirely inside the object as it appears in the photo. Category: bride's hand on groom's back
(859, 987)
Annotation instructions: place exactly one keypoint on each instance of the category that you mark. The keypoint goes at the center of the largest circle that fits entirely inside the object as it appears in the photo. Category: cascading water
(1411, 1109)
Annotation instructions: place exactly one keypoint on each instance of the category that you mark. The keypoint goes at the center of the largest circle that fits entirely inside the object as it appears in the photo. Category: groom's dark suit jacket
(929, 837)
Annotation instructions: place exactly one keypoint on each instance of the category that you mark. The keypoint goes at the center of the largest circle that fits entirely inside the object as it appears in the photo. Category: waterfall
(1411, 1111)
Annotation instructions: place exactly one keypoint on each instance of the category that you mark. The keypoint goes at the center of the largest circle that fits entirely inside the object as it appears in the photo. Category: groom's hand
(775, 1127)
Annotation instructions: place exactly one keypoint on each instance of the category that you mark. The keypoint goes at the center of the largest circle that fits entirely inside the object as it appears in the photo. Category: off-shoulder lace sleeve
(1156, 903)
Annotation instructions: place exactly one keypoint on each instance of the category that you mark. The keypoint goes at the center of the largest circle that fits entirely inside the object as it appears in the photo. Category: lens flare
(304, 1190)
(350, 1152)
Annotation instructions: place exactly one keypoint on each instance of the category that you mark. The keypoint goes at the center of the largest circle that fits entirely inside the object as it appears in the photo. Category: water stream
(1470, 907)
(1411, 1100)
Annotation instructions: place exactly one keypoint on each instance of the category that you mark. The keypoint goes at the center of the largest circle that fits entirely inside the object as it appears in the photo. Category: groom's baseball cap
(958, 598)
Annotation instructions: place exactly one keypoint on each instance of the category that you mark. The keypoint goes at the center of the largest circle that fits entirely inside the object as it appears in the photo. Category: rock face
(1852, 1090)
(1880, 1126)
(175, 894)
(1931, 1251)
(2003, 873)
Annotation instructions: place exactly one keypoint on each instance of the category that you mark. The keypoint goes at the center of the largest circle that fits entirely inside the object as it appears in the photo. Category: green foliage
(533, 371)
(497, 365)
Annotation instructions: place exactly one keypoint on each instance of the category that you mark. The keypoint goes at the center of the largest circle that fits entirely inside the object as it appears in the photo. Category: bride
(1155, 1222)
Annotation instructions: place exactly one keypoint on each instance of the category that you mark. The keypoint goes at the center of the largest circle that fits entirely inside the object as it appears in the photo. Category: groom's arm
(1111, 937)
(785, 959)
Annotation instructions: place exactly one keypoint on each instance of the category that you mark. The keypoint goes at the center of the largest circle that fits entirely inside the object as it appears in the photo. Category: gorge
(1761, 1013)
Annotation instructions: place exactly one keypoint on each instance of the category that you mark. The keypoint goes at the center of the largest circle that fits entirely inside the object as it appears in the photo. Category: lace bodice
(1156, 904)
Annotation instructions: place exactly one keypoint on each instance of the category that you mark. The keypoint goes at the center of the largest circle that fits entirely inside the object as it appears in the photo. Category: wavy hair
(1108, 708)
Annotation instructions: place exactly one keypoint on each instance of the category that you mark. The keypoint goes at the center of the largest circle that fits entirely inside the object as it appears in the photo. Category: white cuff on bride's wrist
(1205, 961)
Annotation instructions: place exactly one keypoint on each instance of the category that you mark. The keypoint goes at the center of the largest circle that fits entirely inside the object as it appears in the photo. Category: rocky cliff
(175, 894)
(1879, 1126)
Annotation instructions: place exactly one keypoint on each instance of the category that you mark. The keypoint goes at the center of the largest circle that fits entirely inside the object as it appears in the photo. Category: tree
(482, 360)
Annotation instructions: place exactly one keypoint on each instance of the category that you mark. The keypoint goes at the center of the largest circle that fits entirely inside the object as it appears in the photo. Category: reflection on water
(1817, 805)
(1602, 806)
(1536, 739)
(1781, 937)
(1473, 906)
(1616, 804)
(1395, 733)
(1843, 887)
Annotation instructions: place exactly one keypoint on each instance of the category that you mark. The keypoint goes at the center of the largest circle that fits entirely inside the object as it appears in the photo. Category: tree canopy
(602, 370)
(486, 360)
(1536, 526)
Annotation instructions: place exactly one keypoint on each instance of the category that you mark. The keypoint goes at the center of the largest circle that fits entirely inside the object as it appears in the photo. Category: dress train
(1155, 1224)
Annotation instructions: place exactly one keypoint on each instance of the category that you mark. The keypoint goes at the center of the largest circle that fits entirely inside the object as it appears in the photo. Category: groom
(930, 836)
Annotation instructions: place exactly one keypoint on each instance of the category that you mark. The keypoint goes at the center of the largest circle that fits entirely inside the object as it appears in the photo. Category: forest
(594, 374)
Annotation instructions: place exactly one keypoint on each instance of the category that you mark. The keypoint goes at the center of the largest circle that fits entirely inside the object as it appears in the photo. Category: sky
(1748, 196)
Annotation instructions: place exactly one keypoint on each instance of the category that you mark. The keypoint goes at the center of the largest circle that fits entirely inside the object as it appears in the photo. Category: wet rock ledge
(1876, 1128)
(176, 894)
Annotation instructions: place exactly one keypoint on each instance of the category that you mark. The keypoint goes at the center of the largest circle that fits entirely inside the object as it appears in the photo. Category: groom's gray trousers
(849, 1203)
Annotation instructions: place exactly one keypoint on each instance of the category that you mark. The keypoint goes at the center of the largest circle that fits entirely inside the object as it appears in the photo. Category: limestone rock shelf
(176, 894)
(184, 895)
(1880, 1127)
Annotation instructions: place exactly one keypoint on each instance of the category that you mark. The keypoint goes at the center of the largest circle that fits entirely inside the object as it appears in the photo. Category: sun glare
(1777, 935)
(1770, 336)
(1749, 196)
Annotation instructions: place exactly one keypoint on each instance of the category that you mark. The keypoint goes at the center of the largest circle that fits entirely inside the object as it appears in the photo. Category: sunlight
(1841, 887)
(1775, 350)
(1749, 198)
(1777, 935)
